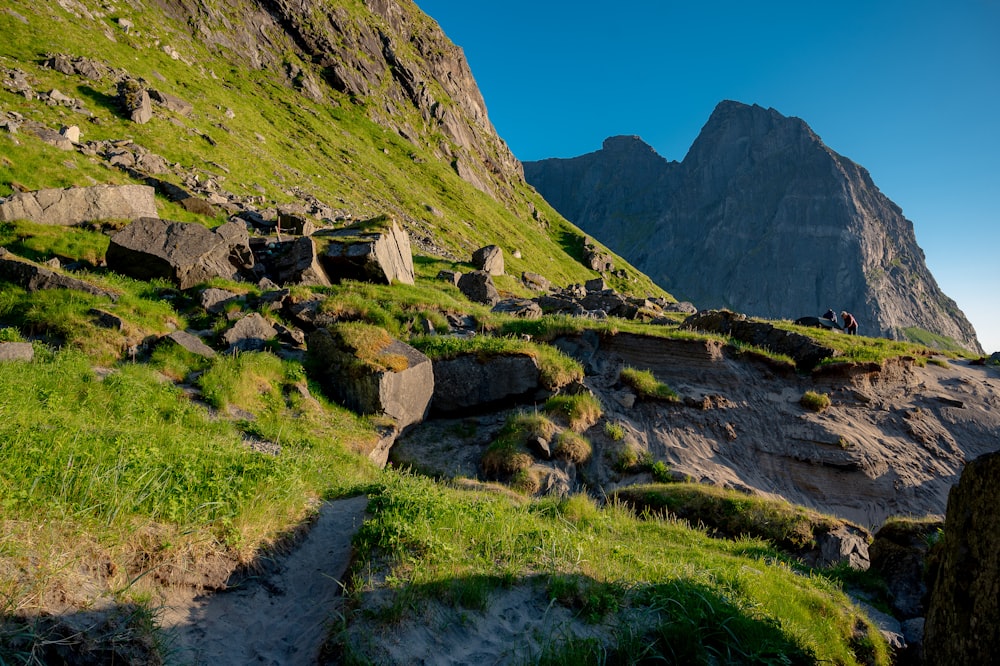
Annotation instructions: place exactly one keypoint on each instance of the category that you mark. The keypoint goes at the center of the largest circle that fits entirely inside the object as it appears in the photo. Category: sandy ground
(279, 618)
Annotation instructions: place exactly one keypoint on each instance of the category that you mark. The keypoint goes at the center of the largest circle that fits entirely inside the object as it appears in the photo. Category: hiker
(850, 323)
(831, 315)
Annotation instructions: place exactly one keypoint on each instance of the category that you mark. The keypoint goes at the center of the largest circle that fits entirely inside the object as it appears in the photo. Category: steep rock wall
(760, 217)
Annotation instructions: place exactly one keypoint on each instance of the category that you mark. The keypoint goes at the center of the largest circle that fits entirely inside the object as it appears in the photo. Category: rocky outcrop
(185, 253)
(373, 251)
(80, 204)
(478, 287)
(963, 619)
(489, 259)
(469, 382)
(34, 277)
(760, 217)
(805, 351)
(368, 371)
(16, 351)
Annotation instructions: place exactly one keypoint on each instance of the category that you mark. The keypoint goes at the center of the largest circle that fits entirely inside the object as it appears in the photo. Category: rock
(597, 284)
(899, 555)
(804, 350)
(366, 370)
(16, 351)
(535, 281)
(478, 287)
(596, 259)
(80, 204)
(470, 382)
(250, 333)
(489, 259)
(963, 617)
(376, 250)
(185, 253)
(297, 262)
(175, 104)
(295, 224)
(72, 133)
(843, 545)
(449, 276)
(52, 137)
(198, 206)
(215, 300)
(33, 277)
(754, 219)
(190, 342)
(134, 100)
(519, 307)
(106, 319)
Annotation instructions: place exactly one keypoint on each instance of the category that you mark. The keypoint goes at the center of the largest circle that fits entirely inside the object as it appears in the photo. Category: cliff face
(386, 55)
(760, 217)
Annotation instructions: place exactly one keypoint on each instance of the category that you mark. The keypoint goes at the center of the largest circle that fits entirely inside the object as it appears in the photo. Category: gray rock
(80, 204)
(400, 388)
(478, 287)
(375, 250)
(899, 554)
(175, 104)
(519, 307)
(536, 281)
(297, 262)
(489, 259)
(190, 342)
(843, 545)
(963, 617)
(185, 253)
(215, 300)
(16, 351)
(472, 382)
(449, 276)
(250, 333)
(34, 277)
(106, 319)
(134, 100)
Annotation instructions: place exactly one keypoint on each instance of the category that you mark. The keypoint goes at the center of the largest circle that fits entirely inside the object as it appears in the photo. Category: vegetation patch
(573, 447)
(731, 514)
(814, 401)
(581, 410)
(647, 386)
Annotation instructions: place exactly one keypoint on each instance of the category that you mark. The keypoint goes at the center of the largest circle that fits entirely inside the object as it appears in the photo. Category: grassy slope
(104, 481)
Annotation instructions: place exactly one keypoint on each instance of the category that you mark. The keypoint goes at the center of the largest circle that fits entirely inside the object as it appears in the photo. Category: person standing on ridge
(850, 323)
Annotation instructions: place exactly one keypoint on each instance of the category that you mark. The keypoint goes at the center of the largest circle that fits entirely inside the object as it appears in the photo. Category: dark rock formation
(760, 217)
(963, 618)
(249, 333)
(376, 250)
(805, 351)
(185, 253)
(189, 342)
(478, 287)
(899, 554)
(372, 373)
(489, 259)
(80, 204)
(33, 277)
(469, 382)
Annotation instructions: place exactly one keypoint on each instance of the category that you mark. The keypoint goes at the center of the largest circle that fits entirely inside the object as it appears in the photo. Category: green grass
(580, 410)
(814, 401)
(701, 598)
(647, 386)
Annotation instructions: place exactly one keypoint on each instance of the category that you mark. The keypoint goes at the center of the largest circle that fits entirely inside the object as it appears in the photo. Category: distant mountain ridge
(760, 217)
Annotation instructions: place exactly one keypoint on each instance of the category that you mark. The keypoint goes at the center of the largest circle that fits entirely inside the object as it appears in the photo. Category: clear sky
(909, 89)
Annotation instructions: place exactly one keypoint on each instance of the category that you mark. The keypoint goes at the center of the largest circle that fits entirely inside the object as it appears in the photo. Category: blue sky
(909, 89)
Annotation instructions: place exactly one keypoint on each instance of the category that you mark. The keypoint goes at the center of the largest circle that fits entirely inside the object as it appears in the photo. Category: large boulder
(963, 617)
(478, 287)
(74, 205)
(16, 351)
(185, 253)
(297, 262)
(489, 259)
(899, 554)
(470, 381)
(34, 277)
(367, 370)
(249, 333)
(376, 250)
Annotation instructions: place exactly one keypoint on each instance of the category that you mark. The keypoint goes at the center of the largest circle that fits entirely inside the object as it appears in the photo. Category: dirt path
(281, 618)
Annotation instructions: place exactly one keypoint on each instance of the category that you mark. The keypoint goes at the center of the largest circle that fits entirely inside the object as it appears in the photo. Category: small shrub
(660, 471)
(579, 508)
(9, 334)
(814, 402)
(614, 430)
(573, 447)
(646, 385)
(581, 410)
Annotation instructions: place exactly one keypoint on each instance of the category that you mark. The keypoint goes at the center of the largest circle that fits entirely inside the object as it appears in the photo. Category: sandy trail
(278, 618)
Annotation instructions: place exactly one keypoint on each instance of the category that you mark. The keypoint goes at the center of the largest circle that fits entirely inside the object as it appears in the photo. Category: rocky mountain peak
(760, 217)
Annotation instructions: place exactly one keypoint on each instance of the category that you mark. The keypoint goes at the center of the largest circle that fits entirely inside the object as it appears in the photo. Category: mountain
(760, 217)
